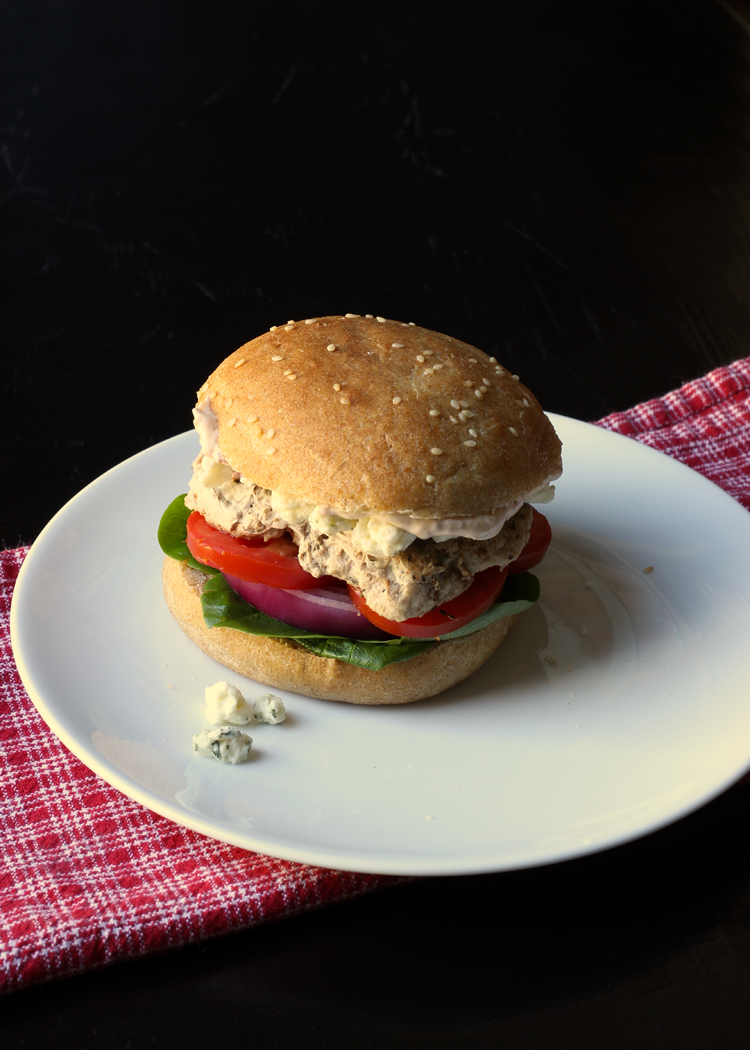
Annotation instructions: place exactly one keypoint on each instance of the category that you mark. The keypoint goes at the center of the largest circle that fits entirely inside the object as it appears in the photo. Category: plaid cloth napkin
(88, 877)
(705, 424)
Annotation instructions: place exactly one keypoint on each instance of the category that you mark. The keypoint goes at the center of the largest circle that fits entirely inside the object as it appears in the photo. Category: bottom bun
(283, 663)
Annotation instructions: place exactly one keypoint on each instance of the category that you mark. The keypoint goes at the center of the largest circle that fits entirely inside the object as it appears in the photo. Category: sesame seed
(473, 433)
(287, 371)
(331, 347)
(273, 328)
(462, 416)
(397, 401)
(468, 382)
(478, 394)
(369, 315)
(277, 357)
(487, 382)
(238, 364)
(270, 433)
(381, 319)
(437, 366)
(514, 377)
(252, 419)
(310, 320)
(430, 478)
(292, 376)
(232, 421)
(434, 412)
(427, 372)
(288, 327)
(483, 389)
(351, 315)
(345, 401)
(420, 358)
(411, 324)
(337, 386)
(436, 451)
(429, 353)
(513, 431)
(470, 444)
(227, 402)
(271, 451)
(472, 360)
(526, 403)
(493, 360)
(397, 346)
(464, 404)
(455, 404)
(453, 419)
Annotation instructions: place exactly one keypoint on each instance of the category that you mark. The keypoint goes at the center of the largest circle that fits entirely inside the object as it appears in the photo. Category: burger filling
(399, 575)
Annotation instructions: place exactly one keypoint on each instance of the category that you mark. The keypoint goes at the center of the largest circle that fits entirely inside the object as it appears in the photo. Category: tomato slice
(273, 563)
(536, 546)
(448, 617)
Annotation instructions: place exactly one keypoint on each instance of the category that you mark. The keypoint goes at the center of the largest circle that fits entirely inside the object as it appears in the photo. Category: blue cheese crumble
(270, 709)
(225, 703)
(226, 744)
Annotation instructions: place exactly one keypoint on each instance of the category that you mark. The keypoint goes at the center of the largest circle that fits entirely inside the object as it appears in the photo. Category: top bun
(377, 424)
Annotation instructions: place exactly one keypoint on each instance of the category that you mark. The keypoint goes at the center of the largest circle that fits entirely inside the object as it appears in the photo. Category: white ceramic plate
(617, 705)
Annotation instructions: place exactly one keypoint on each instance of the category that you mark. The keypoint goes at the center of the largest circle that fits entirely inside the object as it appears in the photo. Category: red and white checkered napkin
(705, 424)
(88, 876)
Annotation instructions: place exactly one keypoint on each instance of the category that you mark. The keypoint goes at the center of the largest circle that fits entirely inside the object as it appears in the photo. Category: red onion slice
(327, 610)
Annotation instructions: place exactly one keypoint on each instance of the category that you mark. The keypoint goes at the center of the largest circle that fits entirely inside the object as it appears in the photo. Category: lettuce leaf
(172, 535)
(223, 607)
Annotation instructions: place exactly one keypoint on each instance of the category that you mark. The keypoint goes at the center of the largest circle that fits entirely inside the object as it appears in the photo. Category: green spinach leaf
(172, 535)
(519, 593)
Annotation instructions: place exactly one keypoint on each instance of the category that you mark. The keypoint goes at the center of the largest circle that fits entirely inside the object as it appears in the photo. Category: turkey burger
(357, 525)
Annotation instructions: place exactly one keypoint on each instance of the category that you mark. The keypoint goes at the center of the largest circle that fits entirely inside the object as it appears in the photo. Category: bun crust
(285, 426)
(285, 665)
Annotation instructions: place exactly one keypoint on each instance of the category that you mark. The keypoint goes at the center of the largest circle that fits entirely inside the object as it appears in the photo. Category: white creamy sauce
(544, 494)
(291, 509)
(329, 524)
(205, 422)
(481, 527)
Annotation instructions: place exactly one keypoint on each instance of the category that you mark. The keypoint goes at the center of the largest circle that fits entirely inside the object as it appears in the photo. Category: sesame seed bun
(285, 665)
(356, 413)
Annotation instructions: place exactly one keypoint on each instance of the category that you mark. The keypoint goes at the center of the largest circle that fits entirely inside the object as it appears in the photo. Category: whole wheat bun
(285, 665)
(350, 428)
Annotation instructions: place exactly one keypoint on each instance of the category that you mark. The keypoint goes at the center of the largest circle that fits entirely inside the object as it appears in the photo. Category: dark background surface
(567, 186)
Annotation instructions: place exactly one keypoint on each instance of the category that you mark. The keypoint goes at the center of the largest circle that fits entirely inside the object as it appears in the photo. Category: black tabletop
(565, 186)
